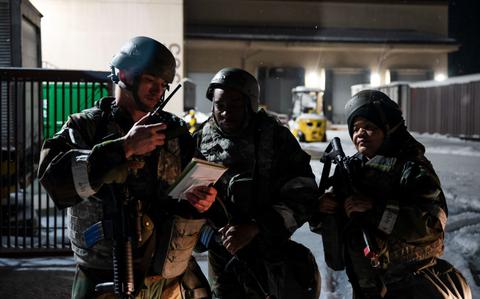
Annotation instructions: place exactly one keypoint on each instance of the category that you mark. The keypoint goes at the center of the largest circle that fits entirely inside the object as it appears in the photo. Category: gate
(34, 104)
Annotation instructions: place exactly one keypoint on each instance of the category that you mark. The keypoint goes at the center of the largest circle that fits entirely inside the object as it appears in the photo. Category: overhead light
(315, 79)
(375, 79)
(440, 77)
(312, 79)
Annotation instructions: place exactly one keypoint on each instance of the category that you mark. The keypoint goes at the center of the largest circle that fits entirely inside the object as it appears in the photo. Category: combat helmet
(239, 80)
(375, 106)
(143, 54)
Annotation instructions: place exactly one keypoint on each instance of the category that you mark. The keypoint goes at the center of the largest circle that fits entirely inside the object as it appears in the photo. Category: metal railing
(34, 104)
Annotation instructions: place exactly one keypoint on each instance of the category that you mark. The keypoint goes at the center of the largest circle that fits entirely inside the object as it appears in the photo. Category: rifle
(334, 153)
(210, 239)
(118, 227)
(332, 242)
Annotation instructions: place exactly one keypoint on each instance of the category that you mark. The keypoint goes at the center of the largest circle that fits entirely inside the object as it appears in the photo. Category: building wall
(427, 16)
(421, 16)
(209, 55)
(85, 34)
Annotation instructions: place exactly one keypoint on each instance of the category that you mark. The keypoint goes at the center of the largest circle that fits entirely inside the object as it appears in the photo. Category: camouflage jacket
(408, 218)
(269, 179)
(74, 161)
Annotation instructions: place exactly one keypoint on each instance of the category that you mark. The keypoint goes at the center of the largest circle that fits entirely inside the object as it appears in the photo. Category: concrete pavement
(39, 278)
(44, 278)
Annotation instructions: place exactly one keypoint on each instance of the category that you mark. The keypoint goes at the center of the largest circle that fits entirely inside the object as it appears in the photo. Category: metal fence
(34, 104)
(449, 108)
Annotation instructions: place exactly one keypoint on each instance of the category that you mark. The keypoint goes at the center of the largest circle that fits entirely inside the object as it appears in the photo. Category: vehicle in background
(309, 127)
(308, 122)
(194, 119)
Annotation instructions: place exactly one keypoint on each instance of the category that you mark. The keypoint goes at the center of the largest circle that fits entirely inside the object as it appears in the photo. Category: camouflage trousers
(191, 285)
(154, 287)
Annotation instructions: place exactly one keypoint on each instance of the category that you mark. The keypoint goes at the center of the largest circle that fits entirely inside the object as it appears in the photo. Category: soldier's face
(367, 137)
(150, 90)
(229, 109)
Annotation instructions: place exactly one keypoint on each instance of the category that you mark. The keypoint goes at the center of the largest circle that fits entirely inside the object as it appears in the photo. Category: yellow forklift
(308, 122)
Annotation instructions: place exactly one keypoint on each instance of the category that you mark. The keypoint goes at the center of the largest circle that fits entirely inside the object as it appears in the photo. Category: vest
(88, 212)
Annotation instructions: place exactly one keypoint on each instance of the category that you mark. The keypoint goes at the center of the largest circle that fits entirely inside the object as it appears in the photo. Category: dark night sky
(464, 26)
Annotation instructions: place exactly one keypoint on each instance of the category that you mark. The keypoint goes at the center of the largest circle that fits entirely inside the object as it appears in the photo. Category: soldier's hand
(201, 197)
(357, 203)
(143, 138)
(327, 203)
(235, 237)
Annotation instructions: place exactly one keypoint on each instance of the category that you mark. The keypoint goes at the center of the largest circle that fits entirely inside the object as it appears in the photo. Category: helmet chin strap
(132, 88)
(122, 85)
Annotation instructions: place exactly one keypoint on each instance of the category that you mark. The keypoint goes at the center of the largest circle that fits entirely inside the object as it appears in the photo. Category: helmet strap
(394, 128)
(116, 79)
(383, 117)
(134, 90)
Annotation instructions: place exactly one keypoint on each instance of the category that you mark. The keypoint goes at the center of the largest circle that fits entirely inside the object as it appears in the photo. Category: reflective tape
(80, 176)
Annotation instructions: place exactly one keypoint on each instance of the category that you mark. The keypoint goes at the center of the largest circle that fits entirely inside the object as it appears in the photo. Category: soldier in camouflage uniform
(118, 143)
(398, 202)
(267, 193)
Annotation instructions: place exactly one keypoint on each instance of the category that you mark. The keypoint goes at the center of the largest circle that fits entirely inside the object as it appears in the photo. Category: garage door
(342, 80)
